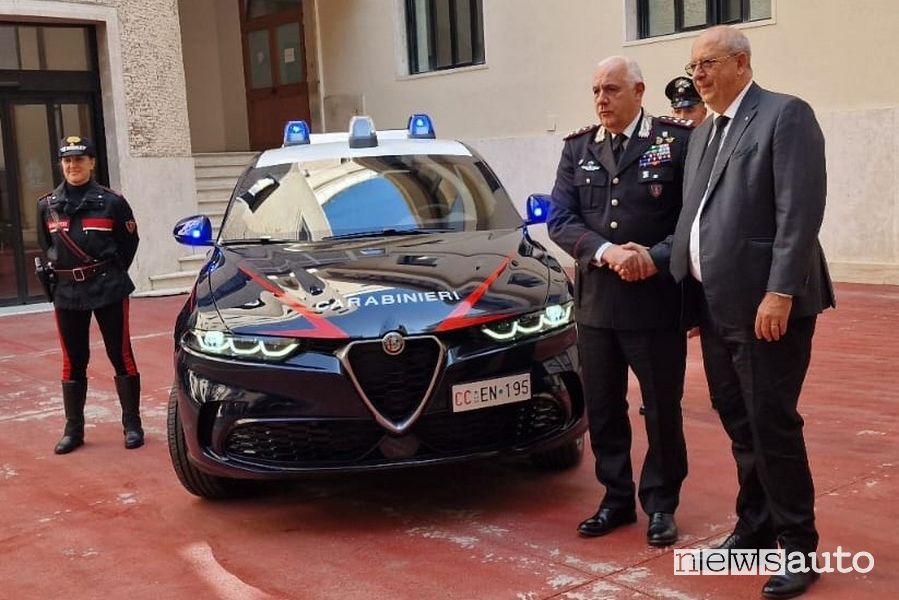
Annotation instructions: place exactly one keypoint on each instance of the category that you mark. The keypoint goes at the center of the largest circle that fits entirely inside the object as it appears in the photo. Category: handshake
(631, 261)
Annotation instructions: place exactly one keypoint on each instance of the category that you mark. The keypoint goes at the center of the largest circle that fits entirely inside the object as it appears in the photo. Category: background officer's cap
(73, 145)
(681, 92)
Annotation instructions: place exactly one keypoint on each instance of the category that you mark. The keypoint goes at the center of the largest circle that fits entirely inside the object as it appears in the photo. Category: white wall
(535, 87)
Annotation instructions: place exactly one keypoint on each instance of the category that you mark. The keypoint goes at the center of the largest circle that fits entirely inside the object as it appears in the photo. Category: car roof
(391, 142)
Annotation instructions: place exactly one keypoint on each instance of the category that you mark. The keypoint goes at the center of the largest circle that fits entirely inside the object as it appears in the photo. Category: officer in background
(617, 193)
(685, 100)
(90, 237)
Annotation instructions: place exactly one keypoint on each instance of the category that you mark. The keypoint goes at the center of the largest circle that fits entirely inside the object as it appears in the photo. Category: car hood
(364, 288)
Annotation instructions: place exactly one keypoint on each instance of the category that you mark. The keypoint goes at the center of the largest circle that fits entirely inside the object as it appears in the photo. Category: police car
(372, 300)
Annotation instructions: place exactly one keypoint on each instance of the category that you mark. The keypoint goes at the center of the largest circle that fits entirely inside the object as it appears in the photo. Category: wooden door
(274, 68)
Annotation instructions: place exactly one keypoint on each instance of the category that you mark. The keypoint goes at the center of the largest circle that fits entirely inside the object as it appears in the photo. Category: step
(217, 171)
(192, 262)
(224, 184)
(218, 159)
(177, 280)
(214, 195)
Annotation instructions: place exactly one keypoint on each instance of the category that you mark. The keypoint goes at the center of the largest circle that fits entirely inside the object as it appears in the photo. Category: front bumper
(334, 408)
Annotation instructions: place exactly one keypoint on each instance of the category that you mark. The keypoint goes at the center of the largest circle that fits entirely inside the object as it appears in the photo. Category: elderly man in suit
(747, 240)
(617, 183)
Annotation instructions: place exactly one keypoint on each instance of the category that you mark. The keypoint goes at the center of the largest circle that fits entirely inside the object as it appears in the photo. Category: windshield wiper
(389, 232)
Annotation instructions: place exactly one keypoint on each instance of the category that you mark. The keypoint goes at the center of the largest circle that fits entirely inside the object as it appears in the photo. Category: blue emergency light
(194, 231)
(421, 127)
(296, 133)
(538, 206)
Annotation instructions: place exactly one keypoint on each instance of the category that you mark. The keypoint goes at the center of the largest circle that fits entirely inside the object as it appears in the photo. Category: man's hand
(640, 265)
(625, 262)
(772, 317)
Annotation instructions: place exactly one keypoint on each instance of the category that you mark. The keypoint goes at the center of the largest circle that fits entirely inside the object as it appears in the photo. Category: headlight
(221, 343)
(553, 316)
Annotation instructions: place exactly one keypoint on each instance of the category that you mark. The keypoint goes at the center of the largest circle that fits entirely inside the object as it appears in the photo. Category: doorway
(274, 68)
(49, 88)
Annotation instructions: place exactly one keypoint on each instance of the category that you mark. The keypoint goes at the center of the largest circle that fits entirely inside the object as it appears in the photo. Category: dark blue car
(372, 300)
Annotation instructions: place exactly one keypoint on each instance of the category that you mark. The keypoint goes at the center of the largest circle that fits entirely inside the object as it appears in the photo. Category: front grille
(296, 442)
(490, 428)
(395, 385)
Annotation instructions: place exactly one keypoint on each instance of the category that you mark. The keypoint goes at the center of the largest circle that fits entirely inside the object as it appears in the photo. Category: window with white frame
(444, 34)
(664, 17)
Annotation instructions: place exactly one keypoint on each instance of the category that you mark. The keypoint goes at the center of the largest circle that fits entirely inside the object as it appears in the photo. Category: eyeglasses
(706, 64)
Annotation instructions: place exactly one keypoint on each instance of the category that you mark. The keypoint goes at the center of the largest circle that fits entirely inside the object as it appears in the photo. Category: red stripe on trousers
(66, 363)
(127, 352)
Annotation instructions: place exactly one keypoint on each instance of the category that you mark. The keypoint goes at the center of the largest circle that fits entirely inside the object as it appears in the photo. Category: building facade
(159, 82)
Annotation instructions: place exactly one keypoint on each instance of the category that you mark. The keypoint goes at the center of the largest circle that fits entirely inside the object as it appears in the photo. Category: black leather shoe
(68, 443)
(743, 541)
(134, 438)
(605, 520)
(662, 529)
(789, 585)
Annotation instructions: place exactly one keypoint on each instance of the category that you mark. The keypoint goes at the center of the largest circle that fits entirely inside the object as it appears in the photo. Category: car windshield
(363, 197)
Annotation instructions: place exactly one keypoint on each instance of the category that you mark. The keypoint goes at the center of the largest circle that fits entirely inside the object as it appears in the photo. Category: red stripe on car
(322, 328)
(458, 319)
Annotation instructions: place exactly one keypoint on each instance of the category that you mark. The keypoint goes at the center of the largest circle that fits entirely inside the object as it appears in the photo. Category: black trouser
(658, 359)
(74, 336)
(756, 387)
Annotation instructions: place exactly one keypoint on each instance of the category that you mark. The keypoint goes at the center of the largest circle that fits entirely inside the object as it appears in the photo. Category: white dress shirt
(731, 112)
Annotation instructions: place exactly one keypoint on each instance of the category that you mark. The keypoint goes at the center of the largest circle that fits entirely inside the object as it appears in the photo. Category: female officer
(90, 237)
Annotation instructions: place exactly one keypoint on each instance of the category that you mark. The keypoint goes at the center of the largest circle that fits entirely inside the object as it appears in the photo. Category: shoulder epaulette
(582, 131)
(685, 123)
(111, 191)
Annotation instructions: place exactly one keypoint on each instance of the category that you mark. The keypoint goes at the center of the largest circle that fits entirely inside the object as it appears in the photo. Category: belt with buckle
(84, 273)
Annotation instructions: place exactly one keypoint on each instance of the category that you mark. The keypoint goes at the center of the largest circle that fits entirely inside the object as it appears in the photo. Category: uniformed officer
(685, 100)
(90, 237)
(606, 213)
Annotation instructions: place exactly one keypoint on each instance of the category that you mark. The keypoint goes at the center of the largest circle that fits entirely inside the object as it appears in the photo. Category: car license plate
(491, 392)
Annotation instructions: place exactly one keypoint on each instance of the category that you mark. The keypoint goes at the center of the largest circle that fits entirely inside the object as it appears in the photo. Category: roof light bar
(296, 133)
(362, 132)
(421, 127)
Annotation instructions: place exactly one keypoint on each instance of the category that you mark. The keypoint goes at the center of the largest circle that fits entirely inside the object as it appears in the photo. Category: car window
(320, 199)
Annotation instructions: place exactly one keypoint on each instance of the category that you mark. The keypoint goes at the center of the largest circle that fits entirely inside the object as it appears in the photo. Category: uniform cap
(682, 93)
(73, 145)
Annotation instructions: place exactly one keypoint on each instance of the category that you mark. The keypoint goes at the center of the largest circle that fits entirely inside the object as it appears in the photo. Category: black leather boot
(128, 388)
(73, 396)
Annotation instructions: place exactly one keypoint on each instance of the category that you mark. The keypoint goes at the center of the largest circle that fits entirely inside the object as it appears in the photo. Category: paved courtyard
(104, 522)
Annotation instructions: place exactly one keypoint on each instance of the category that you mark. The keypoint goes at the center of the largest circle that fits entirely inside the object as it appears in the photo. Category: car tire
(566, 456)
(194, 481)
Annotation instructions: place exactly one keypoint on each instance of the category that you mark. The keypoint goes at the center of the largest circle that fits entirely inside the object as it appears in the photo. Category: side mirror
(538, 206)
(194, 231)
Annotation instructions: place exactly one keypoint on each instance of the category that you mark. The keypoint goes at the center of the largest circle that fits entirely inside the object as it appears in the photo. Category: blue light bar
(362, 132)
(421, 127)
(296, 133)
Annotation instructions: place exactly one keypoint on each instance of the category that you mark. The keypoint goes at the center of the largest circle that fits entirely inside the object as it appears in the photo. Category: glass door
(30, 130)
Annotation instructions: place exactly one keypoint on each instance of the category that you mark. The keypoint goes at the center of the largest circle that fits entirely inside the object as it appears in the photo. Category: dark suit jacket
(595, 201)
(759, 226)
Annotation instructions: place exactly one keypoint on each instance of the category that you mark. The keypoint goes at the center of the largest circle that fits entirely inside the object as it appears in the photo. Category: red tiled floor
(105, 522)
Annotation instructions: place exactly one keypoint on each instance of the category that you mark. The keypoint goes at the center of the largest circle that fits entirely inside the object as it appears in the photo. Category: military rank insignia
(657, 154)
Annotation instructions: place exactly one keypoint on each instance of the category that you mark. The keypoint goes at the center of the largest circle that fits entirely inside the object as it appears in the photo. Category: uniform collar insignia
(600, 135)
(645, 126)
